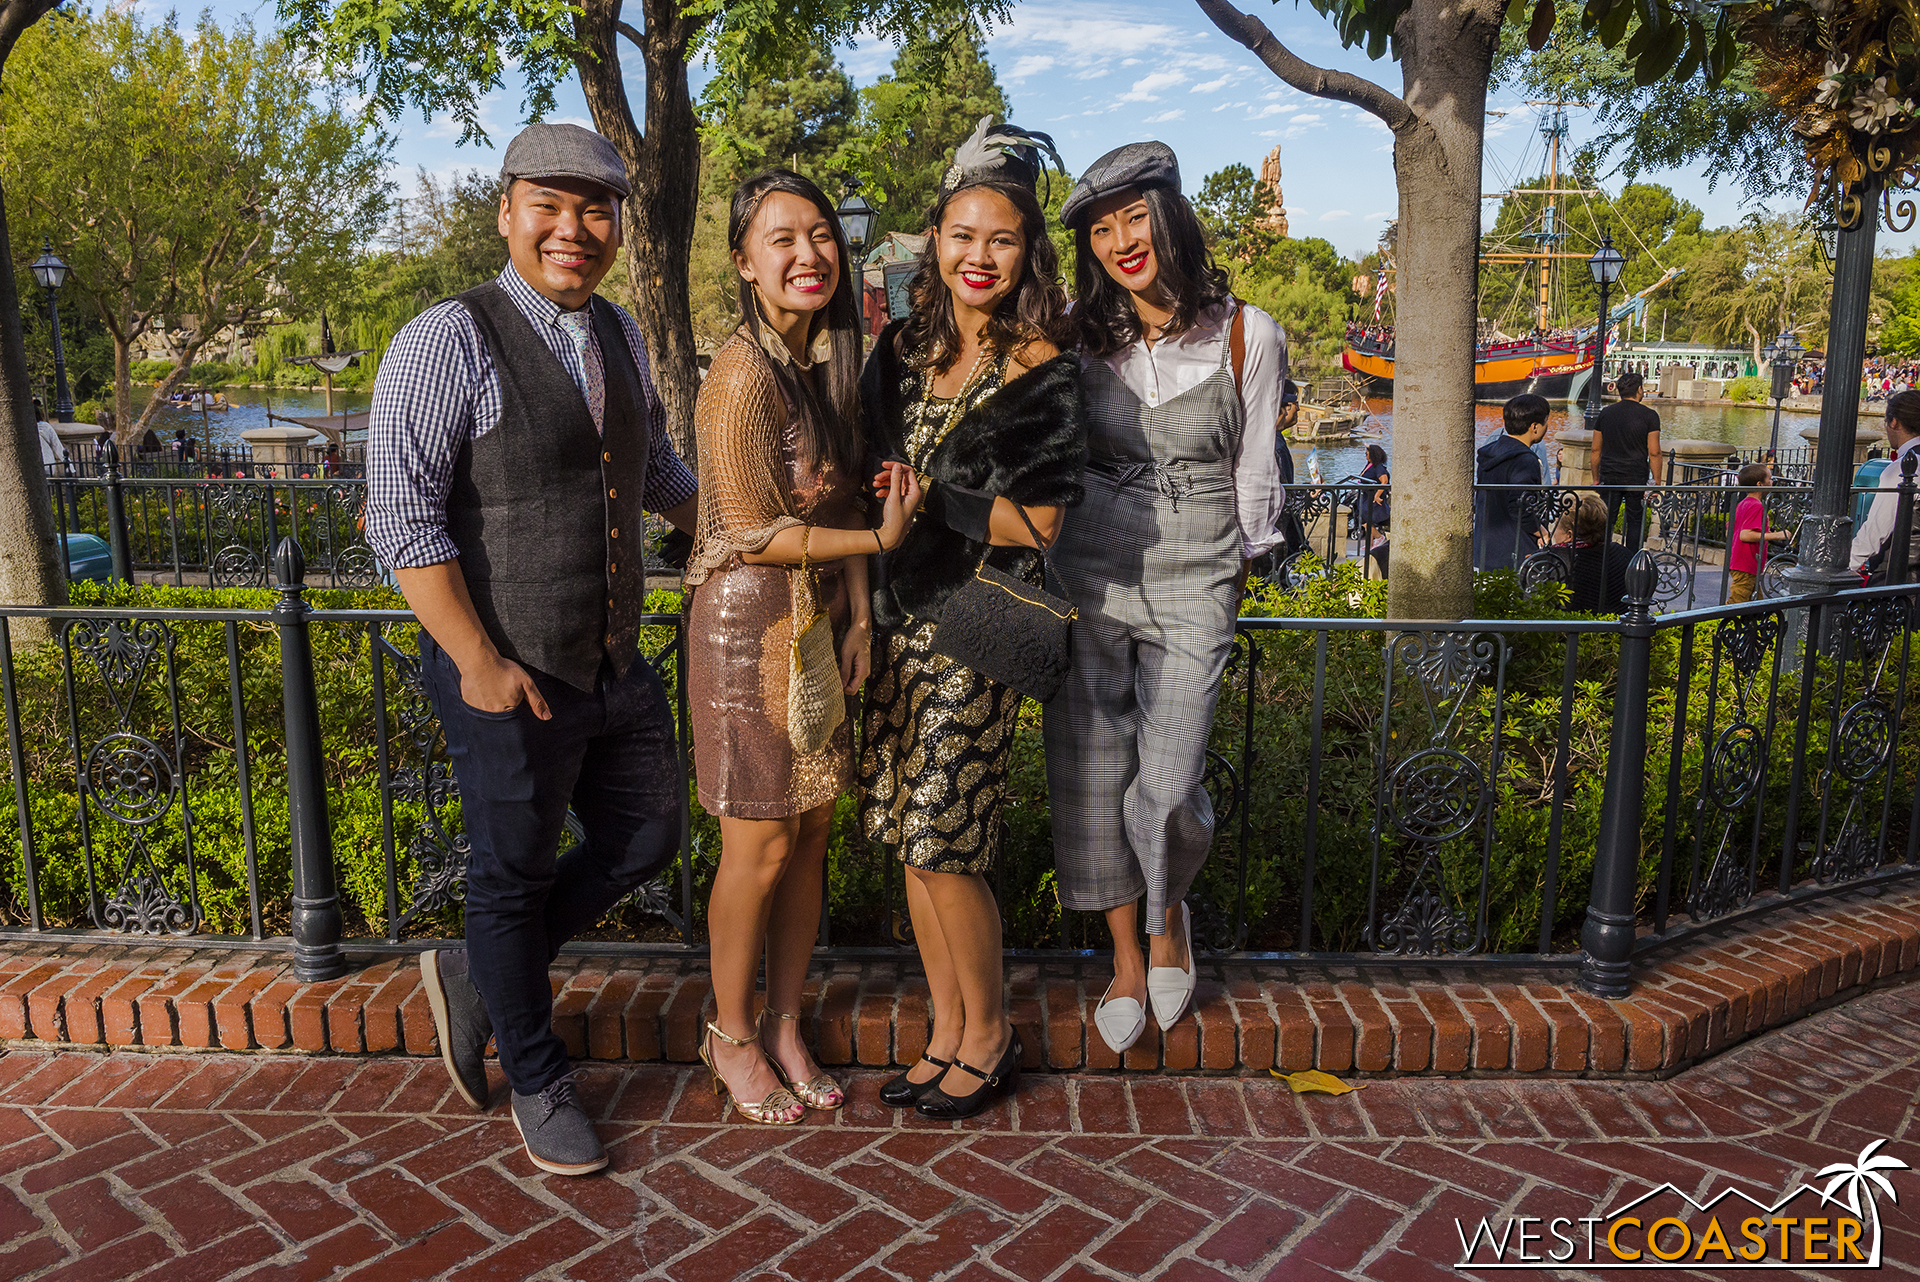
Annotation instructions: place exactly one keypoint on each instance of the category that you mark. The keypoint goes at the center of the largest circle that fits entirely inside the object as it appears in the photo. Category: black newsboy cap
(1138, 164)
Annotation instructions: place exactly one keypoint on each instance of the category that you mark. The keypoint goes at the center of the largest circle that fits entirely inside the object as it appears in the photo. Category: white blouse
(1160, 372)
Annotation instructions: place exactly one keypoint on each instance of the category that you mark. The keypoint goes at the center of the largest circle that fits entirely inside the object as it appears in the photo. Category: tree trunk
(663, 164)
(1446, 58)
(30, 569)
(122, 383)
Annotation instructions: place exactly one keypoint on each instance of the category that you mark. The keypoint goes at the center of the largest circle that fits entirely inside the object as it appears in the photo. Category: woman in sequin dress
(780, 453)
(972, 392)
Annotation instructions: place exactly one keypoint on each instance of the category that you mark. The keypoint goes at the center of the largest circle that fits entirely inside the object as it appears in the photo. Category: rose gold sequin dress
(752, 486)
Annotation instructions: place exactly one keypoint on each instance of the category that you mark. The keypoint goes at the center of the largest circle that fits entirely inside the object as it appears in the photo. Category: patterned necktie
(579, 327)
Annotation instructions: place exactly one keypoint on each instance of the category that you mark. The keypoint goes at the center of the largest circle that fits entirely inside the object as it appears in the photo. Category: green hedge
(1282, 695)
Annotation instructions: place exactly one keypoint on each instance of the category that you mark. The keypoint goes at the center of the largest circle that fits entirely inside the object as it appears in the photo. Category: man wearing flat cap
(515, 444)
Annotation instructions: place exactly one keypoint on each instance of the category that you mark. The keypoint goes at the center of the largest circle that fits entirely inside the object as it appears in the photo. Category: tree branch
(632, 33)
(1340, 86)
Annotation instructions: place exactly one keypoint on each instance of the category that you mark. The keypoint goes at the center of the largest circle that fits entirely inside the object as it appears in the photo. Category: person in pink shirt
(1750, 536)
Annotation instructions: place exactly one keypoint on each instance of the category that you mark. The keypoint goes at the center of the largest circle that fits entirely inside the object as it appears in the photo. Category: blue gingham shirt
(437, 390)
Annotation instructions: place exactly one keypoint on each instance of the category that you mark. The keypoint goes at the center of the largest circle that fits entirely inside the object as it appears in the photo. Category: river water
(221, 428)
(1742, 426)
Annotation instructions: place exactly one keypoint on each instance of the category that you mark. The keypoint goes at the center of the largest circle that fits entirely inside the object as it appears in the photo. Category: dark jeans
(1635, 500)
(611, 755)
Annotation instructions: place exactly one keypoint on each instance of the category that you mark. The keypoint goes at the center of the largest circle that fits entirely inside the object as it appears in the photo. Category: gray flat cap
(1138, 164)
(565, 151)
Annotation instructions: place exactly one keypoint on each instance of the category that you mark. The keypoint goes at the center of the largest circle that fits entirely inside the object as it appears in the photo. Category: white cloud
(1147, 88)
(1092, 73)
(1031, 65)
(1165, 116)
(1373, 218)
(1306, 120)
(1218, 82)
(1333, 215)
(1273, 109)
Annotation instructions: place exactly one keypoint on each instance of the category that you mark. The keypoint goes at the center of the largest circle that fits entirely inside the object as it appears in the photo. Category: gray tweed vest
(545, 511)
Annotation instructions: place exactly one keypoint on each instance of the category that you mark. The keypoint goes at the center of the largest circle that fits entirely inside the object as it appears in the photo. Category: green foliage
(916, 126)
(1233, 206)
(1722, 127)
(1749, 387)
(201, 179)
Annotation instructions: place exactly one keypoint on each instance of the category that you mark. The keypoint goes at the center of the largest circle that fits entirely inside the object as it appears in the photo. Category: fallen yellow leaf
(1313, 1080)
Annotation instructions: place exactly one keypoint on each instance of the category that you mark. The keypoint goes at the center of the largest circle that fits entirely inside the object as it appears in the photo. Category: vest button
(612, 568)
(605, 457)
(612, 493)
(609, 606)
(609, 635)
(614, 533)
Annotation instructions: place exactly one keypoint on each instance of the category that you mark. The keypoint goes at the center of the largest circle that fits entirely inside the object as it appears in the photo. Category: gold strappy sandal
(821, 1093)
(769, 1111)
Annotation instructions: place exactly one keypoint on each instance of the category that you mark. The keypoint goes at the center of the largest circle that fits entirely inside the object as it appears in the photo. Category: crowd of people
(919, 527)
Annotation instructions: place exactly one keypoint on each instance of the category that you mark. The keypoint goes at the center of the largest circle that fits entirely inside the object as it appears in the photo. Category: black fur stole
(1028, 441)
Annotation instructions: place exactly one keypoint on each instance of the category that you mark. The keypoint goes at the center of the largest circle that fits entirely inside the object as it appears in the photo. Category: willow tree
(443, 59)
(1446, 51)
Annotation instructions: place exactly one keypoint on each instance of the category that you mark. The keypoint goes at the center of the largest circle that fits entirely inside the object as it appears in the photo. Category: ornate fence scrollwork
(342, 536)
(1546, 568)
(1860, 740)
(1734, 765)
(131, 781)
(1436, 793)
(236, 538)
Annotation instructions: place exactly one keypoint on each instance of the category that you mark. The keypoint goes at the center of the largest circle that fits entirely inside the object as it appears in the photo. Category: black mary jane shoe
(900, 1092)
(998, 1084)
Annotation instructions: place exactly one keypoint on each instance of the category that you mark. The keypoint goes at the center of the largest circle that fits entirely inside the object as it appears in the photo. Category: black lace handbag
(1009, 630)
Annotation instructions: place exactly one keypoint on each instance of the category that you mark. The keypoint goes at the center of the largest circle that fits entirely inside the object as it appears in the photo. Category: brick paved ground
(191, 1167)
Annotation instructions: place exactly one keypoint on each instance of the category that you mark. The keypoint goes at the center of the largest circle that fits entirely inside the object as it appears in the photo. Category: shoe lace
(558, 1094)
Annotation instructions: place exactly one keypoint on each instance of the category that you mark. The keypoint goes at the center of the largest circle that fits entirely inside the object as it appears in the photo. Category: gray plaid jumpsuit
(1150, 559)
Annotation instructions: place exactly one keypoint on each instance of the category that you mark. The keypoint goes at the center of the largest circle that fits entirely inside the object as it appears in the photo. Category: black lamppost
(50, 274)
(1605, 265)
(1783, 358)
(856, 221)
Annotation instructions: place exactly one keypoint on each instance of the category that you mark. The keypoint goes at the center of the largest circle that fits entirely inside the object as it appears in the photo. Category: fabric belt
(1174, 480)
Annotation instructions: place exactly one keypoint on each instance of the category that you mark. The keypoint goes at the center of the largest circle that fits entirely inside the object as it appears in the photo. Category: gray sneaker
(460, 1018)
(558, 1135)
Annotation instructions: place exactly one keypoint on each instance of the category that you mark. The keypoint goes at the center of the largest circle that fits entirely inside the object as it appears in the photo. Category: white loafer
(1169, 988)
(1120, 1021)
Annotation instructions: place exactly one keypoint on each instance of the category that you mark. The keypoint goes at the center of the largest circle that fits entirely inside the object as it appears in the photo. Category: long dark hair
(1187, 274)
(834, 394)
(1036, 307)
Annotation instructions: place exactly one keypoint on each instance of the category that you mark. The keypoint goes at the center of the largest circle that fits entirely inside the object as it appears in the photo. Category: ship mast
(1553, 124)
(1553, 127)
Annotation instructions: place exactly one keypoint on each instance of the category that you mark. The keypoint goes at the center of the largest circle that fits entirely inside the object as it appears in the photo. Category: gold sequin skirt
(739, 655)
(933, 773)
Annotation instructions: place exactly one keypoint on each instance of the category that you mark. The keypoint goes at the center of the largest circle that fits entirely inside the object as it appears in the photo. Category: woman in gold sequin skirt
(970, 391)
(780, 456)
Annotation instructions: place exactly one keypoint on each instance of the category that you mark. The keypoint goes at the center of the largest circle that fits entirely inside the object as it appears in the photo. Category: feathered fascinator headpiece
(1000, 153)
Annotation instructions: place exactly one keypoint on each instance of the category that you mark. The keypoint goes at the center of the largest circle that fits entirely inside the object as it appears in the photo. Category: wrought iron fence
(1476, 795)
(218, 530)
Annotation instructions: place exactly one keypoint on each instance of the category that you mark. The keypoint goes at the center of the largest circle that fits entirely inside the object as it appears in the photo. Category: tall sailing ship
(1551, 360)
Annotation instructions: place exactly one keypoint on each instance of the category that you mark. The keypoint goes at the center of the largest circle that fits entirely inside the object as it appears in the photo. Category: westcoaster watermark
(1837, 1227)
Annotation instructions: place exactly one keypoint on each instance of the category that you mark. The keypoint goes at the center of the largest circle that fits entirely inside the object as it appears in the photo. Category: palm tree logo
(1863, 1176)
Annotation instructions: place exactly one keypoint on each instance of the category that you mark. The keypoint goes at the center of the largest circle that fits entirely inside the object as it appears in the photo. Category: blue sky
(1099, 73)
